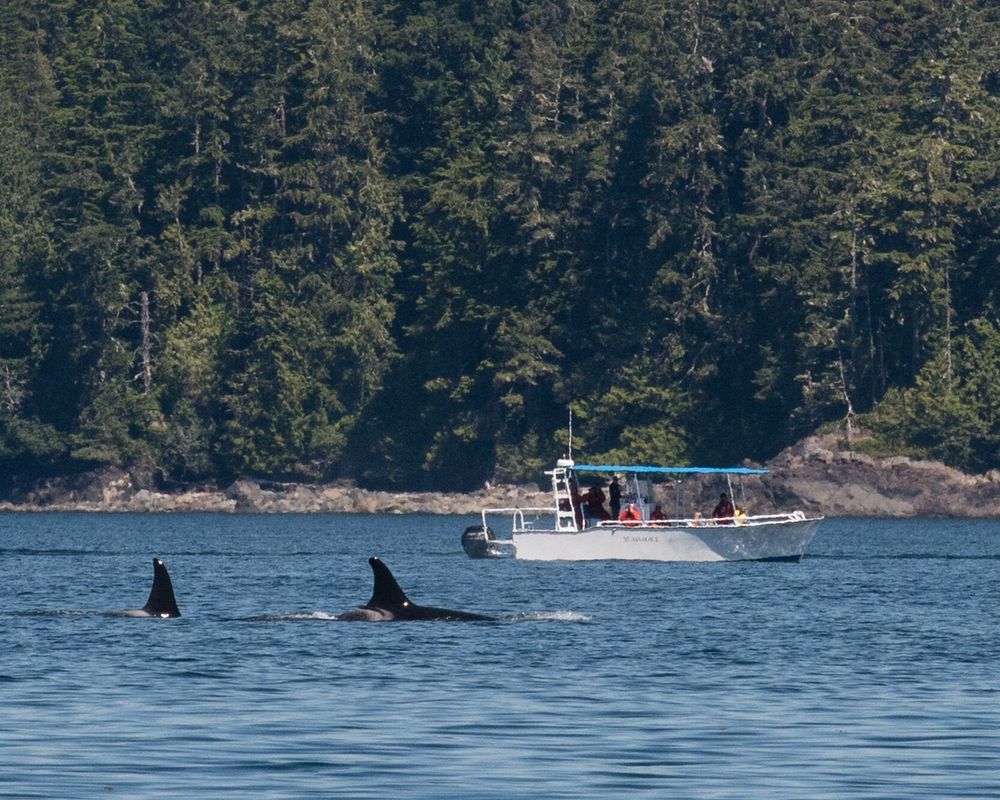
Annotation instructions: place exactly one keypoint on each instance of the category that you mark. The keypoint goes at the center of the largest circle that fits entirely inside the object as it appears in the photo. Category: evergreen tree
(398, 241)
(314, 259)
(26, 442)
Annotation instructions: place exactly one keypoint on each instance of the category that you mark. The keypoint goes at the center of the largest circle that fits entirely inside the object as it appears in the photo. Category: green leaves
(398, 240)
(952, 413)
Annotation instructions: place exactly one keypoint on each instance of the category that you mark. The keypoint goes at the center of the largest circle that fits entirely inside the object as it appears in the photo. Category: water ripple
(868, 670)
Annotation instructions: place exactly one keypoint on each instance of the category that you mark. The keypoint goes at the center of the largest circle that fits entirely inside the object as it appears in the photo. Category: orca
(161, 602)
(389, 602)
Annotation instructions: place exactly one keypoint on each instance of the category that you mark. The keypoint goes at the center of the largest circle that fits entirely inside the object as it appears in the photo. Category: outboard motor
(476, 541)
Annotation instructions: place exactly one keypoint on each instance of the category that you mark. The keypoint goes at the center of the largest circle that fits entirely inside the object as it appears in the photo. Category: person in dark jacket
(593, 500)
(615, 497)
(723, 509)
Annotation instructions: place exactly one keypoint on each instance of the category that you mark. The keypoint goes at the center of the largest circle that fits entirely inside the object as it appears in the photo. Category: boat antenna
(570, 454)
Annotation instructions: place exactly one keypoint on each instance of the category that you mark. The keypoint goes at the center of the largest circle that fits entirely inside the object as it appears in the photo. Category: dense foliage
(397, 241)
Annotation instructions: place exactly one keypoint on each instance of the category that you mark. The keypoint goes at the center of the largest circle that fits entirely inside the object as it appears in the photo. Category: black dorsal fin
(386, 592)
(161, 602)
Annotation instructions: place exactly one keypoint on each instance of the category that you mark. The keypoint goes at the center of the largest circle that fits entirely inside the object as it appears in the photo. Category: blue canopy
(670, 470)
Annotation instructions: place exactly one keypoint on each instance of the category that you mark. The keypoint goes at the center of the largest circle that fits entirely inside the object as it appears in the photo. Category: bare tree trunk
(947, 322)
(147, 372)
(849, 420)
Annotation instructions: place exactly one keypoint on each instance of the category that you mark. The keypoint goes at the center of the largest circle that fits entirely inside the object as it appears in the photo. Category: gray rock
(819, 474)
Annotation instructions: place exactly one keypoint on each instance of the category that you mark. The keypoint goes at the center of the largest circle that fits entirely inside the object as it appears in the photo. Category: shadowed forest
(398, 241)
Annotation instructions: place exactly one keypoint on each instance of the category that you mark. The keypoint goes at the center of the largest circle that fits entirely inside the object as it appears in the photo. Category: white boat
(563, 532)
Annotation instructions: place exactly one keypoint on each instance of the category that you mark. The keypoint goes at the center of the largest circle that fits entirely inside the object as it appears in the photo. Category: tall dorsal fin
(386, 592)
(161, 602)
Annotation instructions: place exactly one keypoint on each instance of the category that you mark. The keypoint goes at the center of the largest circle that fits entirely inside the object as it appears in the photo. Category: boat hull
(772, 541)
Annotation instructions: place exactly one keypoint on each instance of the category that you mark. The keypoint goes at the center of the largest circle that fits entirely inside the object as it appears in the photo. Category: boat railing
(530, 519)
(707, 522)
(522, 519)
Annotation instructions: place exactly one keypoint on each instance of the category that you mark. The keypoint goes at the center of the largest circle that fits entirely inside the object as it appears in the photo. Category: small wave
(947, 556)
(550, 616)
(52, 613)
(32, 551)
(238, 553)
(200, 674)
(928, 556)
(293, 617)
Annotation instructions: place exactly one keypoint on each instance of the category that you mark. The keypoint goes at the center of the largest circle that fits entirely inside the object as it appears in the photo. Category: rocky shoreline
(818, 474)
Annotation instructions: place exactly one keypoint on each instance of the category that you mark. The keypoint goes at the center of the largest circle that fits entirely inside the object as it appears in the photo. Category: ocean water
(869, 670)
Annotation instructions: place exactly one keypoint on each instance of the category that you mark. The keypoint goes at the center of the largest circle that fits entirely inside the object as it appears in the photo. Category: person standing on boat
(723, 511)
(615, 497)
(594, 503)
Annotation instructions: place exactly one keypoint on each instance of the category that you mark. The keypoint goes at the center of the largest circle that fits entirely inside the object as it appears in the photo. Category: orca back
(387, 596)
(161, 602)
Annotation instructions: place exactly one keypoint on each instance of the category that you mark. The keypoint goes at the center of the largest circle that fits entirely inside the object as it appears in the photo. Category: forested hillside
(397, 241)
